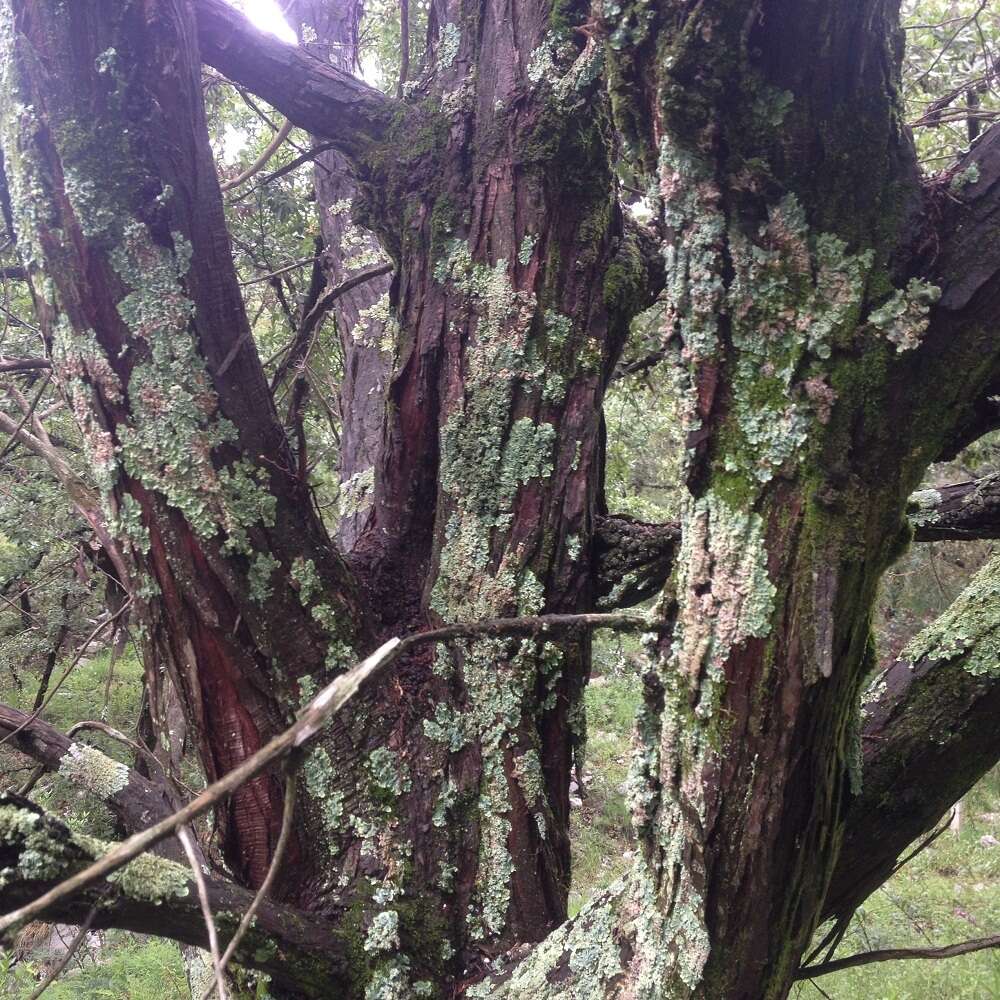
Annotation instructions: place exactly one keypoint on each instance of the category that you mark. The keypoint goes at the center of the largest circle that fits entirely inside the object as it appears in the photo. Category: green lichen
(307, 578)
(526, 249)
(388, 771)
(318, 773)
(969, 629)
(356, 493)
(48, 851)
(965, 178)
(262, 568)
(904, 317)
(89, 768)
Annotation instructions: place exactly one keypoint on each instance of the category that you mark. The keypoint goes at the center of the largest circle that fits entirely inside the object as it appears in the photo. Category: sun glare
(266, 15)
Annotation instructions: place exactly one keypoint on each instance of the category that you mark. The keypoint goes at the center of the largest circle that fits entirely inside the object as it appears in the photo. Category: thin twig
(187, 841)
(898, 954)
(279, 852)
(81, 936)
(16, 433)
(281, 135)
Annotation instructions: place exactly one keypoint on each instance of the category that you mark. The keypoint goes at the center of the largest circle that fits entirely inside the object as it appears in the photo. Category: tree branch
(134, 800)
(23, 364)
(312, 94)
(894, 954)
(960, 511)
(155, 896)
(928, 734)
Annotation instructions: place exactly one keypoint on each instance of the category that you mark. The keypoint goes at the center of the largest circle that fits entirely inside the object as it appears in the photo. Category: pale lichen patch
(89, 768)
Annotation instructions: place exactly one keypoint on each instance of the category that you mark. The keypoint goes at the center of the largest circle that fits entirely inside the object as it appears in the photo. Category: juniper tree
(828, 329)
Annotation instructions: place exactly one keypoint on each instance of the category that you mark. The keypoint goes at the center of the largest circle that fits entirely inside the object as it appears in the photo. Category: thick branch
(136, 801)
(632, 559)
(313, 95)
(929, 733)
(960, 511)
(155, 896)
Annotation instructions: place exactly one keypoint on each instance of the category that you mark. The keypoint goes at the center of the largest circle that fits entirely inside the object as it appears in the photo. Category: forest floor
(950, 892)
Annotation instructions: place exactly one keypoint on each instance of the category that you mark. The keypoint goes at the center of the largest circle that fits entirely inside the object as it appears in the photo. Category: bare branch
(895, 954)
(187, 840)
(8, 364)
(261, 161)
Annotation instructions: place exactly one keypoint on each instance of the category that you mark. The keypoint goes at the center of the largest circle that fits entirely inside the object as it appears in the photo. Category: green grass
(950, 892)
(129, 968)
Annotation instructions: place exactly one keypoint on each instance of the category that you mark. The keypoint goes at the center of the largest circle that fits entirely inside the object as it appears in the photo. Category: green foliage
(949, 74)
(127, 967)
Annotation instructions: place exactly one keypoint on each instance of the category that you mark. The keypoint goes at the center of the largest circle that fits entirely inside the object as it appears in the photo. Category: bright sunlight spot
(266, 15)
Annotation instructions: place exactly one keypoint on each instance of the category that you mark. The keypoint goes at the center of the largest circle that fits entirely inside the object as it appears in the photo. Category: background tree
(825, 323)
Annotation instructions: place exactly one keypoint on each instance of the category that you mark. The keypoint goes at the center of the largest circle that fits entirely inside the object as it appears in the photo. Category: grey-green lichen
(970, 628)
(794, 296)
(383, 933)
(89, 768)
(904, 317)
(448, 45)
(47, 851)
(921, 507)
(355, 493)
(175, 427)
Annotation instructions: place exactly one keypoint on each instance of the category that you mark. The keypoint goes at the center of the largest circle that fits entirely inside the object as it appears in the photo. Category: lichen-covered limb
(136, 801)
(959, 511)
(929, 732)
(314, 95)
(633, 559)
(153, 895)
